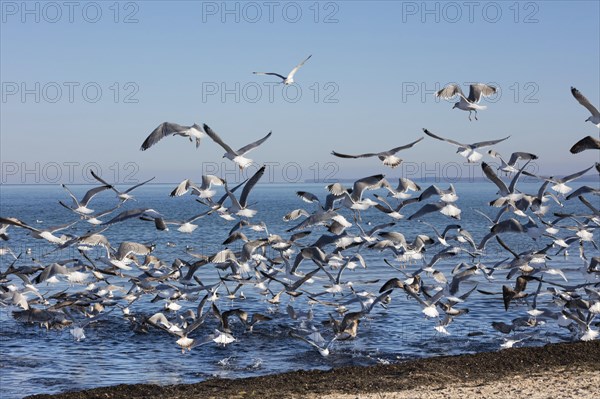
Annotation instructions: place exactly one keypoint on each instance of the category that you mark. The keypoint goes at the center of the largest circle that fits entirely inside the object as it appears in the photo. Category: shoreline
(554, 370)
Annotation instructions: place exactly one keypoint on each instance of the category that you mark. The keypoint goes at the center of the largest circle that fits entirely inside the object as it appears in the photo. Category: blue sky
(85, 85)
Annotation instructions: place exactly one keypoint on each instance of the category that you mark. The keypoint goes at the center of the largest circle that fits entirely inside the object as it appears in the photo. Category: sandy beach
(566, 370)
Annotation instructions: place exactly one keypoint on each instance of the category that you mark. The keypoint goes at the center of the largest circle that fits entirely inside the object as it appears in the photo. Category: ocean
(36, 360)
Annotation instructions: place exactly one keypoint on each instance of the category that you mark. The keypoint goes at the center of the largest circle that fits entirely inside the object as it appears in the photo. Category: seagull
(323, 350)
(43, 233)
(122, 195)
(240, 207)
(586, 143)
(236, 156)
(387, 157)
(289, 79)
(476, 91)
(515, 156)
(595, 118)
(467, 150)
(185, 226)
(81, 206)
(560, 184)
(204, 191)
(173, 129)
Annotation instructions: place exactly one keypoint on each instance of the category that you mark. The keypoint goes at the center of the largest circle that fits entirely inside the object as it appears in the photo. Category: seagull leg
(469, 115)
(476, 115)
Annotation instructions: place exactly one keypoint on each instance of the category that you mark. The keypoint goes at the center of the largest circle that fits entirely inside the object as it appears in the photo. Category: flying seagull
(122, 195)
(467, 150)
(387, 157)
(289, 79)
(595, 118)
(235, 156)
(476, 91)
(173, 129)
(515, 156)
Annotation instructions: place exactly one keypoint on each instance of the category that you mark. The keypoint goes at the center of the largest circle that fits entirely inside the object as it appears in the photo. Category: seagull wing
(513, 183)
(575, 175)
(425, 209)
(340, 155)
(90, 194)
(163, 130)
(521, 155)
(270, 73)
(137, 185)
(488, 143)
(251, 183)
(490, 174)
(75, 201)
(402, 147)
(293, 71)
(584, 101)
(586, 143)
(211, 133)
(251, 146)
(449, 91)
(427, 132)
(478, 90)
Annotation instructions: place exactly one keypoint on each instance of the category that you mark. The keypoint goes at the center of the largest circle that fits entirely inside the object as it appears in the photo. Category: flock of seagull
(306, 268)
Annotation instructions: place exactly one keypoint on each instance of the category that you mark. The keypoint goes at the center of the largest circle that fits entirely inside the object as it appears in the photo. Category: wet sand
(567, 370)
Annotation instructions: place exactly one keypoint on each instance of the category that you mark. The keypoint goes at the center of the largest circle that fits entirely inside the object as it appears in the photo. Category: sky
(84, 83)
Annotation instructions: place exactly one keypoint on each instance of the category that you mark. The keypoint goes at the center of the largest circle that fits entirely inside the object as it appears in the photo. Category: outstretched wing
(487, 143)
(479, 90)
(586, 143)
(293, 71)
(340, 155)
(211, 133)
(427, 132)
(450, 91)
(163, 130)
(270, 73)
(250, 146)
(251, 183)
(584, 101)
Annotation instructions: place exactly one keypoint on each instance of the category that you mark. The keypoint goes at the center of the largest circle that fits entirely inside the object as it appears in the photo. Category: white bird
(81, 206)
(467, 150)
(236, 156)
(185, 226)
(323, 350)
(173, 129)
(122, 195)
(476, 91)
(239, 207)
(595, 117)
(560, 184)
(509, 167)
(289, 79)
(204, 191)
